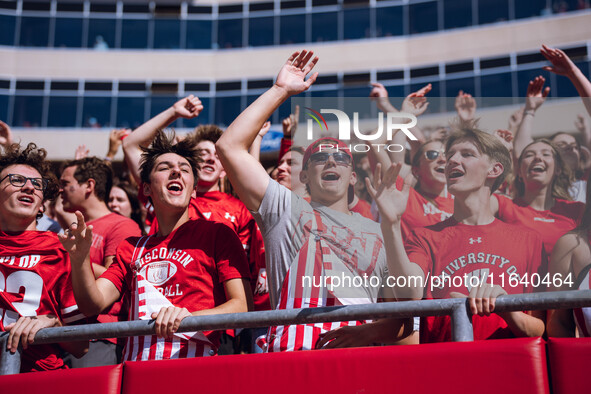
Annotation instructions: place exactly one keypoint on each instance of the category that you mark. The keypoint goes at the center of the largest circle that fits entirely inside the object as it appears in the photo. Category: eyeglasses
(341, 158)
(434, 154)
(18, 180)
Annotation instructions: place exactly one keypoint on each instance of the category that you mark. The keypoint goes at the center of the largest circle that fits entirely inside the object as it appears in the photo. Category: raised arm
(188, 108)
(92, 295)
(255, 148)
(562, 65)
(392, 203)
(536, 95)
(465, 106)
(5, 135)
(247, 175)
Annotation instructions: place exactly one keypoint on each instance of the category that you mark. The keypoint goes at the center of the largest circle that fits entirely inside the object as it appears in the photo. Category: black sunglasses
(433, 154)
(18, 180)
(341, 158)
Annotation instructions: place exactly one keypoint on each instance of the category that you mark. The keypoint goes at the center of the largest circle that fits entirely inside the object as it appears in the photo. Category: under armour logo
(473, 240)
(207, 215)
(228, 216)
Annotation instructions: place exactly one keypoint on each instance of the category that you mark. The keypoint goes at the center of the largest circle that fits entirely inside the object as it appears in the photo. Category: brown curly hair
(34, 157)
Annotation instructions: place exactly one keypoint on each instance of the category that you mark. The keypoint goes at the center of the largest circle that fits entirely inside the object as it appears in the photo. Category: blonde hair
(486, 144)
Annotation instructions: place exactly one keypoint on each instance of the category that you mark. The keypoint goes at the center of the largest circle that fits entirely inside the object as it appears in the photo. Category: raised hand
(5, 134)
(390, 201)
(81, 152)
(465, 106)
(561, 63)
(379, 94)
(506, 138)
(115, 138)
(77, 240)
(188, 107)
(536, 94)
(290, 124)
(292, 76)
(265, 129)
(416, 103)
(515, 119)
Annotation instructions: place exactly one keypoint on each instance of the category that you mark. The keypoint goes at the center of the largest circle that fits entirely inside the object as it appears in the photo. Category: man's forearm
(88, 296)
(143, 135)
(245, 128)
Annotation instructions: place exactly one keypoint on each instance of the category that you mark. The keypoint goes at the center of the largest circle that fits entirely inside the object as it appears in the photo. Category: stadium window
(293, 29)
(204, 116)
(27, 111)
(491, 11)
(167, 33)
(530, 8)
(7, 26)
(68, 33)
(62, 111)
(356, 23)
(324, 93)
(229, 33)
(457, 13)
(324, 26)
(396, 94)
(4, 106)
(34, 32)
(159, 103)
(422, 17)
(96, 111)
(134, 34)
(130, 112)
(226, 110)
(453, 86)
(497, 85)
(389, 21)
(101, 33)
(198, 34)
(260, 31)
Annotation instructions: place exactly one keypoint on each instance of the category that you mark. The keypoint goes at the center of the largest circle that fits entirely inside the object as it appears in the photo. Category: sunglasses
(433, 154)
(18, 180)
(341, 158)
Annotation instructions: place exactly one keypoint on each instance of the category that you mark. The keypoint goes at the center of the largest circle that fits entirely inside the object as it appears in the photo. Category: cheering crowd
(196, 225)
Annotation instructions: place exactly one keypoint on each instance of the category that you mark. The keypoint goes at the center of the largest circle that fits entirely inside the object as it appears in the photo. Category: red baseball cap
(325, 143)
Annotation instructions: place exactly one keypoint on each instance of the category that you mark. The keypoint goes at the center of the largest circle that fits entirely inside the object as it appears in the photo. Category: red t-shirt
(188, 267)
(450, 253)
(35, 280)
(223, 208)
(363, 208)
(421, 212)
(551, 224)
(258, 273)
(107, 233)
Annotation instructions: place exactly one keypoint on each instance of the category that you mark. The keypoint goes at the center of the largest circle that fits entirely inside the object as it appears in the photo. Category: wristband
(529, 112)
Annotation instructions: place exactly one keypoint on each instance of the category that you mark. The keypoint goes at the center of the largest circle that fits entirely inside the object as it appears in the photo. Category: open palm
(292, 76)
(390, 201)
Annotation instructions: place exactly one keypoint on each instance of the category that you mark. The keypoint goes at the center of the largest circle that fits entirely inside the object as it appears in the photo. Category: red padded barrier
(98, 380)
(495, 366)
(570, 364)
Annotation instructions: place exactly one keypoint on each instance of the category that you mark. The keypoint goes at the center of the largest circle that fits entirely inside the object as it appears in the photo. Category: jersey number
(27, 283)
